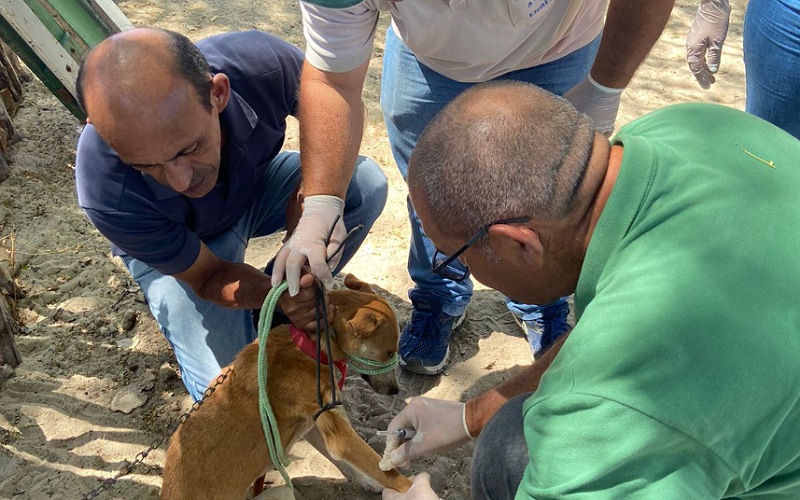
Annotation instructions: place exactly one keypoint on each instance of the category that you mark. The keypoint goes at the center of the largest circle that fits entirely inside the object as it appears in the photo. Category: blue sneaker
(546, 327)
(424, 342)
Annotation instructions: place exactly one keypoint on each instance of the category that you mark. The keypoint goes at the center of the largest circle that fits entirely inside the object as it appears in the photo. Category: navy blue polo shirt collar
(238, 120)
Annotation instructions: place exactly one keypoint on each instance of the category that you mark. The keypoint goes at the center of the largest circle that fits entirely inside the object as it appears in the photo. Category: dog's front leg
(314, 438)
(344, 445)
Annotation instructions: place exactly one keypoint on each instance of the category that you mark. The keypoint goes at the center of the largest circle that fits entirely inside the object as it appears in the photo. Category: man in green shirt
(681, 242)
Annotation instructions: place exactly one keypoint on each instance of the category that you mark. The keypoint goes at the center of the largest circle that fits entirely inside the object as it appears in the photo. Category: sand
(98, 383)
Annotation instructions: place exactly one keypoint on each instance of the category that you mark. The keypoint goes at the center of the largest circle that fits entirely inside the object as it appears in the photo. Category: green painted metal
(83, 20)
(59, 28)
(19, 45)
(75, 25)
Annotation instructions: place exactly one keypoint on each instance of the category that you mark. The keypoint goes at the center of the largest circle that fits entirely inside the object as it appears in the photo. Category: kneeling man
(180, 166)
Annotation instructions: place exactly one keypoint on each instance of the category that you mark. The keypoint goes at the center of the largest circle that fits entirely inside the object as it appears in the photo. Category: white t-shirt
(465, 40)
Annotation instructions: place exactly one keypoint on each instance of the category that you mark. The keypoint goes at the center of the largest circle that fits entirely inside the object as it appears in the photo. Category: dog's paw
(386, 464)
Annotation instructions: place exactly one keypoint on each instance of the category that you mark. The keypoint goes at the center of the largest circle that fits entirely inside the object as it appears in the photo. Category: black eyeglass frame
(440, 269)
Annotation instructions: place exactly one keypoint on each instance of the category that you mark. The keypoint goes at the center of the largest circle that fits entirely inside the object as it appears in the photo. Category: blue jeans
(501, 453)
(411, 94)
(772, 62)
(206, 336)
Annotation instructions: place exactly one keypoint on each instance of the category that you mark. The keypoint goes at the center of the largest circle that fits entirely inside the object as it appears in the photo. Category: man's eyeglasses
(442, 263)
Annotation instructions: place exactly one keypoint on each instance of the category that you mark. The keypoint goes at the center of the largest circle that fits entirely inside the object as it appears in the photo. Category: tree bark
(9, 354)
(10, 96)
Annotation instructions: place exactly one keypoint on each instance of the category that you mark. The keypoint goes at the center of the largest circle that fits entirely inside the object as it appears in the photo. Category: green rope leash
(372, 367)
(268, 422)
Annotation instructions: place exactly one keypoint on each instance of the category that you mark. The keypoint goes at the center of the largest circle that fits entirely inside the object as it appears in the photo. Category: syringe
(401, 433)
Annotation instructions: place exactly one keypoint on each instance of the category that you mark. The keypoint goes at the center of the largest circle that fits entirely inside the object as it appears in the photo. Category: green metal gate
(52, 36)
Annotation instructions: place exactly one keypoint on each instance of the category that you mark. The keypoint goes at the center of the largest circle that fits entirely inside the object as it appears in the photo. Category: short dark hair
(501, 149)
(189, 63)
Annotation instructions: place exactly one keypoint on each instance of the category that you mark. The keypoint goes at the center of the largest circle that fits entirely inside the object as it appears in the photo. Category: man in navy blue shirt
(180, 165)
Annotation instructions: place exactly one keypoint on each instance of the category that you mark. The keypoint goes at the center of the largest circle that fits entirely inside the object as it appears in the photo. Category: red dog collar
(301, 340)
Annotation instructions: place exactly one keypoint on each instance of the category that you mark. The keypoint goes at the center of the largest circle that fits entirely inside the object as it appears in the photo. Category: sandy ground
(98, 382)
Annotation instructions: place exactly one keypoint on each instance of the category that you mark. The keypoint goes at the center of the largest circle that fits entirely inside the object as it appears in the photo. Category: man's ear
(220, 91)
(517, 241)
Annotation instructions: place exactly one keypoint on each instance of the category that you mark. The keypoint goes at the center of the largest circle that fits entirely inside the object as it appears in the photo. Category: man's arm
(442, 425)
(242, 286)
(630, 31)
(481, 408)
(632, 28)
(331, 124)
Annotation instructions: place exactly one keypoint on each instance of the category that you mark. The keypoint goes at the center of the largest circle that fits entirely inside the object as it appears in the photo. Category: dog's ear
(356, 284)
(364, 323)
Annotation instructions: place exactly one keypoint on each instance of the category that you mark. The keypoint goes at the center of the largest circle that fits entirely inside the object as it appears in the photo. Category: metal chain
(128, 467)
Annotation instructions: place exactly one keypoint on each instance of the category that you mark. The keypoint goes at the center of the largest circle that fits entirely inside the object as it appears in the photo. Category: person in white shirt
(434, 50)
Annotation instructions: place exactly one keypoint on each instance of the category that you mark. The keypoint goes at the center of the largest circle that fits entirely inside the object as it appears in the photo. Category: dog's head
(366, 326)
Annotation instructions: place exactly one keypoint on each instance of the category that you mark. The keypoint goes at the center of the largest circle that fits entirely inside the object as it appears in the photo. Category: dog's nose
(393, 390)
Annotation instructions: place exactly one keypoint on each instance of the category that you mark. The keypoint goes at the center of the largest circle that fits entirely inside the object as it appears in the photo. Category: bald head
(141, 71)
(501, 150)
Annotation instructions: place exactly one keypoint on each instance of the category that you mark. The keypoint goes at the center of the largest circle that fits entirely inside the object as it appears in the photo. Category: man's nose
(178, 175)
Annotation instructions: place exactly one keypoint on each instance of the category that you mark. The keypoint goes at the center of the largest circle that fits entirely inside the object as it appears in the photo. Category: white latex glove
(307, 243)
(704, 41)
(601, 103)
(440, 425)
(420, 490)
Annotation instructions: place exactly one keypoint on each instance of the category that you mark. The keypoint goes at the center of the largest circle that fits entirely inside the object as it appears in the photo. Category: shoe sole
(416, 366)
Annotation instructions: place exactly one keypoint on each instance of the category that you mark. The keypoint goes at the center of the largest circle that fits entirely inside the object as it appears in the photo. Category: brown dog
(220, 450)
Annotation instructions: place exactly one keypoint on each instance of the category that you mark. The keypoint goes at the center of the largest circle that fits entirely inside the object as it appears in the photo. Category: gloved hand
(705, 38)
(440, 426)
(420, 490)
(307, 243)
(601, 103)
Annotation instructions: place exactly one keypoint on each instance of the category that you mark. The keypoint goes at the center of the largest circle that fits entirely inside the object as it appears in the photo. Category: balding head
(501, 150)
(142, 74)
(150, 95)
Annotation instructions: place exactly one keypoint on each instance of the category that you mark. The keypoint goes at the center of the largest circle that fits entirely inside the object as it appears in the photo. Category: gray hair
(501, 149)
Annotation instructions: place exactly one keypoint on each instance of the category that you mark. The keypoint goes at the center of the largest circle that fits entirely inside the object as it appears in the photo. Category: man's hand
(308, 243)
(420, 490)
(706, 36)
(439, 424)
(599, 102)
(301, 309)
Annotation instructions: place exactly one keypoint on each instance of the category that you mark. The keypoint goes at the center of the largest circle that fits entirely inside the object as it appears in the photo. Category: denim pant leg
(501, 454)
(772, 62)
(363, 204)
(205, 336)
(411, 94)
